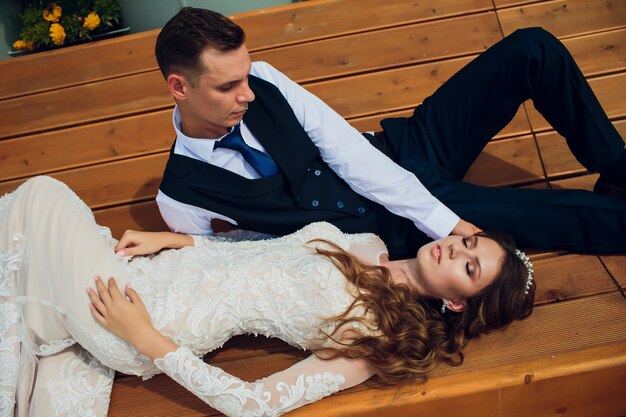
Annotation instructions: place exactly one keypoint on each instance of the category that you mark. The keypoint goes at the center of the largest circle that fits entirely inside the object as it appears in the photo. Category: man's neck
(201, 132)
(197, 129)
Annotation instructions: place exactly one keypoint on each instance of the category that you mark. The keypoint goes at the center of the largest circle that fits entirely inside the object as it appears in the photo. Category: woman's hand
(128, 319)
(145, 243)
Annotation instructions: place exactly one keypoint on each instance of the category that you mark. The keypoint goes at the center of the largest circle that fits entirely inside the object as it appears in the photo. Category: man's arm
(183, 218)
(352, 157)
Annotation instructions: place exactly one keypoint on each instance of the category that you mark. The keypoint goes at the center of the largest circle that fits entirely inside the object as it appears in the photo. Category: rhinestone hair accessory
(529, 268)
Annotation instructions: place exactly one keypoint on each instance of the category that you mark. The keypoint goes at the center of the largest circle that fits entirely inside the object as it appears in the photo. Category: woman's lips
(436, 251)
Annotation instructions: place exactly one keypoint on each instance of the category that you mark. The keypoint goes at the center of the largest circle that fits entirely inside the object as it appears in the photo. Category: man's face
(217, 100)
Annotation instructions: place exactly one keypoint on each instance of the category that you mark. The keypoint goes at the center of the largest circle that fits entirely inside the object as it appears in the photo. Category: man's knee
(530, 38)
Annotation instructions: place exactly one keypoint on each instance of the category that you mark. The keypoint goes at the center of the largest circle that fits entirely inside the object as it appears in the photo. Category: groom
(256, 150)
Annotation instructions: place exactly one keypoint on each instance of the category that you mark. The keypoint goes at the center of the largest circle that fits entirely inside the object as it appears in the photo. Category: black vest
(304, 191)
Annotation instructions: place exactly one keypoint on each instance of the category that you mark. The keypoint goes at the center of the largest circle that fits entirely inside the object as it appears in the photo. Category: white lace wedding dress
(55, 359)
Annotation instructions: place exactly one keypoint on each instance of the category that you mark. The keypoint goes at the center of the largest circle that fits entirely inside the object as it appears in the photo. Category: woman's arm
(144, 243)
(303, 383)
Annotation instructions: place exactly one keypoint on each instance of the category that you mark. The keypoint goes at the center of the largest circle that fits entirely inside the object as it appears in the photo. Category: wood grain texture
(507, 162)
(86, 145)
(374, 50)
(89, 62)
(83, 104)
(610, 91)
(581, 182)
(110, 184)
(313, 20)
(570, 276)
(616, 265)
(557, 156)
(565, 17)
(589, 342)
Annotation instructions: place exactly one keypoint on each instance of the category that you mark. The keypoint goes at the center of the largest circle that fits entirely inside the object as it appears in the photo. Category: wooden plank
(99, 60)
(558, 158)
(565, 17)
(137, 179)
(393, 47)
(153, 95)
(134, 53)
(616, 265)
(585, 393)
(84, 103)
(554, 328)
(507, 162)
(307, 21)
(558, 351)
(508, 3)
(581, 182)
(111, 184)
(585, 389)
(86, 145)
(570, 276)
(137, 216)
(611, 92)
(599, 53)
(386, 90)
(519, 125)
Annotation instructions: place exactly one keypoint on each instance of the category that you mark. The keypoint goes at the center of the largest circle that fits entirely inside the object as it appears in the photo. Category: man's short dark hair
(188, 33)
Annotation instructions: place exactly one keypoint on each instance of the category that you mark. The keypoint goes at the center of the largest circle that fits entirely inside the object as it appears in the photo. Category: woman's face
(456, 268)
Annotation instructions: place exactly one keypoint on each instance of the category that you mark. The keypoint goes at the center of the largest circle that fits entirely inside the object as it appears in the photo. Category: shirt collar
(202, 148)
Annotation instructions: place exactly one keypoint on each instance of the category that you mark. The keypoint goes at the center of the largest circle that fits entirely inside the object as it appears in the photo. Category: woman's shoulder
(323, 231)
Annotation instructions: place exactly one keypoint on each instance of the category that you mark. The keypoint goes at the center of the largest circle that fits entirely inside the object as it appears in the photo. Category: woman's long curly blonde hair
(412, 335)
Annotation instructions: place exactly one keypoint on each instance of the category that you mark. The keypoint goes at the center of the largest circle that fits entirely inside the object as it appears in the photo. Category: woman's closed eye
(468, 266)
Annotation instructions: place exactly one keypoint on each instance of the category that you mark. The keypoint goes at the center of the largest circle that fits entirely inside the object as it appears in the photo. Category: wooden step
(565, 17)
(548, 348)
(397, 46)
(558, 158)
(132, 54)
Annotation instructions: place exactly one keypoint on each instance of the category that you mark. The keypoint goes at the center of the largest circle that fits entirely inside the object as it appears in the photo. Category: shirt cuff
(440, 222)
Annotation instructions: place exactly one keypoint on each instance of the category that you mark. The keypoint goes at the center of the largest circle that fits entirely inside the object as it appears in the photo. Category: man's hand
(464, 228)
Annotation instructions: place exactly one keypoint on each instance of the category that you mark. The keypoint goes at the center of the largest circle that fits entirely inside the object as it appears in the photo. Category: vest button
(361, 210)
(315, 203)
(318, 172)
(340, 204)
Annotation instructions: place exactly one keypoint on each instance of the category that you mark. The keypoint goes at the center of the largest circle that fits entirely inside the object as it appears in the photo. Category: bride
(63, 334)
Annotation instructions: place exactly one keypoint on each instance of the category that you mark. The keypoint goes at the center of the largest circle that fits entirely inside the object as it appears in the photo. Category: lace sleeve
(367, 247)
(303, 383)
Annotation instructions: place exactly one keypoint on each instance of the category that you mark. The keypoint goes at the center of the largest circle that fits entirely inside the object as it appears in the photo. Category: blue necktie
(263, 163)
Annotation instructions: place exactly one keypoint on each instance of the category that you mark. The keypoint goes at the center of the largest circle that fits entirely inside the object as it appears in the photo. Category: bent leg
(71, 383)
(575, 220)
(64, 249)
(476, 103)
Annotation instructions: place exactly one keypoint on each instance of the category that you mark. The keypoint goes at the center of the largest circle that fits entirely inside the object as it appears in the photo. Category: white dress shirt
(341, 146)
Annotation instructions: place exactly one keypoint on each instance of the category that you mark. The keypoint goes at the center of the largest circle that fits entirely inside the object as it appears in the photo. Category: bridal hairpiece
(529, 268)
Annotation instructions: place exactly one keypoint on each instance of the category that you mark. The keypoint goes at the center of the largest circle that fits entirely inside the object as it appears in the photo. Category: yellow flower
(20, 45)
(57, 33)
(52, 12)
(92, 21)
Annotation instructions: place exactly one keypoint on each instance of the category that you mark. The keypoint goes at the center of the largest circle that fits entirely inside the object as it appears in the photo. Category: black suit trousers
(450, 128)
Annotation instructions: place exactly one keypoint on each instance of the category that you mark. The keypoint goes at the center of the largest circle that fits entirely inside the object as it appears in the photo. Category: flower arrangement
(47, 25)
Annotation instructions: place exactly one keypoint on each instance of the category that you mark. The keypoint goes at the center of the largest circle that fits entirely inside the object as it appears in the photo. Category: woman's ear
(177, 84)
(456, 306)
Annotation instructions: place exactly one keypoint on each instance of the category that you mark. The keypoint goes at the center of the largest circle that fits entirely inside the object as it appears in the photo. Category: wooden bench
(98, 117)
